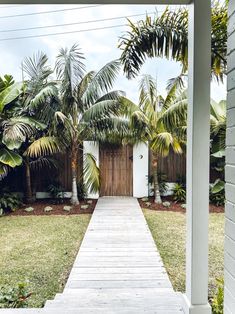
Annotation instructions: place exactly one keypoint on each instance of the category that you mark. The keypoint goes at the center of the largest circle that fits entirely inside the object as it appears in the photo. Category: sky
(98, 46)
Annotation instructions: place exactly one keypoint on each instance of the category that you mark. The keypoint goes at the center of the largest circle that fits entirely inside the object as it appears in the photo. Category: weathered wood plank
(118, 268)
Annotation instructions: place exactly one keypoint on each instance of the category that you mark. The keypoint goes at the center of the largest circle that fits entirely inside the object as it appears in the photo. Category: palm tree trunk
(29, 194)
(74, 160)
(157, 196)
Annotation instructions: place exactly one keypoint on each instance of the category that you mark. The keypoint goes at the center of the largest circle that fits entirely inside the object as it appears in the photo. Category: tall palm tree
(167, 36)
(147, 120)
(88, 109)
(39, 102)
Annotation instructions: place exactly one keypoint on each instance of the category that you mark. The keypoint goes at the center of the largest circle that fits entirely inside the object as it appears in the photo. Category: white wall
(92, 147)
(140, 170)
(140, 167)
(229, 257)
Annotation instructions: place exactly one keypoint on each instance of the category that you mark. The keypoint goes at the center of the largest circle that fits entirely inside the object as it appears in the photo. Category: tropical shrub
(9, 202)
(16, 297)
(82, 191)
(162, 178)
(217, 192)
(56, 191)
(217, 302)
(179, 192)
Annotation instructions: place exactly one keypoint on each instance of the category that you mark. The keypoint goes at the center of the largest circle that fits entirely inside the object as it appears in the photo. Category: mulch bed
(39, 206)
(174, 207)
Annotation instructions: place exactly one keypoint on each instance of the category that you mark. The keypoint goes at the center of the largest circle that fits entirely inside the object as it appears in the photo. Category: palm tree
(88, 109)
(39, 102)
(176, 119)
(167, 36)
(218, 127)
(147, 118)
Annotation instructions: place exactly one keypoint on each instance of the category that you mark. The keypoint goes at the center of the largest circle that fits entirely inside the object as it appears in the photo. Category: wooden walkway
(118, 269)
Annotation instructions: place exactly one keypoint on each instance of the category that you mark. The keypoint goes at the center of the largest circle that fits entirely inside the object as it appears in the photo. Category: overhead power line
(75, 23)
(63, 33)
(51, 11)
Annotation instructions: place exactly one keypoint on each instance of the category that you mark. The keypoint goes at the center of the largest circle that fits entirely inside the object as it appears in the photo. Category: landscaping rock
(89, 202)
(144, 199)
(48, 209)
(166, 204)
(29, 209)
(148, 204)
(67, 208)
(183, 206)
(84, 206)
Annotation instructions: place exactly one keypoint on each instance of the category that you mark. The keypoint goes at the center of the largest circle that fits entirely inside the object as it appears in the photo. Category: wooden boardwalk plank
(118, 268)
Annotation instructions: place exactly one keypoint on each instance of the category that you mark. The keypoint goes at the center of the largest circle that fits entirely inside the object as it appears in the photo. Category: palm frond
(91, 173)
(36, 67)
(64, 128)
(3, 171)
(43, 163)
(101, 82)
(69, 67)
(161, 143)
(107, 129)
(113, 95)
(46, 145)
(45, 93)
(167, 36)
(81, 89)
(148, 91)
(101, 109)
(176, 113)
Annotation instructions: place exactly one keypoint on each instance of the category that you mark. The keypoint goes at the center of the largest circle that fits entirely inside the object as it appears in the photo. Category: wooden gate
(116, 170)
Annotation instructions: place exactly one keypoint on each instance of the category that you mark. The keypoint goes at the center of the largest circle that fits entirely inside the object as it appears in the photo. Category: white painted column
(198, 134)
(92, 147)
(140, 170)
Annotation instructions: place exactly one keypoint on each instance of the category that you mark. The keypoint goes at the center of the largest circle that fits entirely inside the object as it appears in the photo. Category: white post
(140, 170)
(198, 135)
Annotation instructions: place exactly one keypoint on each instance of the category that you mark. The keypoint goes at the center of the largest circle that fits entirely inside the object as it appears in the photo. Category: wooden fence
(173, 166)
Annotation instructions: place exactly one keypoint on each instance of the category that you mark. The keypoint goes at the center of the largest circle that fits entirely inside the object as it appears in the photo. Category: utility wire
(63, 33)
(75, 23)
(51, 11)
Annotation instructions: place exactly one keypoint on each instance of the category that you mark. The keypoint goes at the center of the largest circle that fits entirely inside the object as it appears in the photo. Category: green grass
(168, 230)
(40, 250)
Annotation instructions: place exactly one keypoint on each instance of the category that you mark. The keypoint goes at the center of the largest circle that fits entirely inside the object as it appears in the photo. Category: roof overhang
(143, 2)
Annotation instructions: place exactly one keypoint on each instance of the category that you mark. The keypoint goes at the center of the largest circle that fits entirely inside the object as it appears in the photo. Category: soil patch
(174, 206)
(57, 209)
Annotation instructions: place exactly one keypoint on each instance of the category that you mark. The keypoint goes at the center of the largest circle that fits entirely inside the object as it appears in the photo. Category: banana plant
(9, 92)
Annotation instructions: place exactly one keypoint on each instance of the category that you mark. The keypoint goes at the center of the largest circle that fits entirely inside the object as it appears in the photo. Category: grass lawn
(40, 250)
(168, 230)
